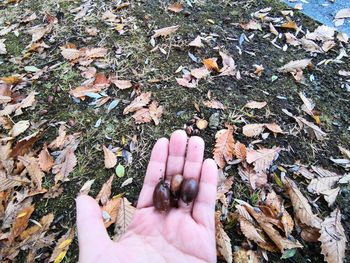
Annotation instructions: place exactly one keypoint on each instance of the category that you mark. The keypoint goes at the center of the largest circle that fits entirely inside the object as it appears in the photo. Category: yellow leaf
(65, 243)
(60, 257)
(210, 64)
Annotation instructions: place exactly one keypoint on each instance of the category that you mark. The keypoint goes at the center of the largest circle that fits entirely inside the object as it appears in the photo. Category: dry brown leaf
(262, 158)
(142, 116)
(223, 242)
(109, 157)
(24, 145)
(324, 181)
(224, 185)
(256, 180)
(138, 103)
(321, 33)
(214, 104)
(295, 65)
(34, 171)
(45, 159)
(319, 134)
(187, 81)
(101, 81)
(275, 128)
(281, 242)
(229, 66)
(252, 130)
(65, 163)
(251, 25)
(11, 182)
(62, 246)
(59, 141)
(176, 7)
(80, 92)
(240, 151)
(301, 206)
(98, 52)
(164, 32)
(85, 189)
(345, 152)
(19, 127)
(224, 146)
(155, 111)
(105, 192)
(308, 105)
(20, 223)
(333, 238)
(17, 108)
(38, 32)
(310, 45)
(70, 53)
(246, 256)
(11, 80)
(200, 73)
(251, 231)
(289, 25)
(331, 195)
(343, 13)
(124, 218)
(122, 84)
(201, 124)
(210, 64)
(310, 234)
(197, 42)
(110, 211)
(44, 225)
(292, 39)
(328, 45)
(255, 104)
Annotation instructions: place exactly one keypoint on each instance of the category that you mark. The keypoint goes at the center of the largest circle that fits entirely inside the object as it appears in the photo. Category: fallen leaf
(246, 256)
(124, 218)
(343, 13)
(44, 225)
(210, 64)
(70, 53)
(301, 206)
(292, 39)
(105, 192)
(176, 7)
(201, 124)
(310, 45)
(38, 32)
(24, 145)
(92, 31)
(110, 211)
(120, 170)
(85, 189)
(255, 104)
(3, 50)
(200, 73)
(289, 25)
(240, 151)
(342, 37)
(295, 65)
(164, 32)
(333, 239)
(19, 128)
(187, 81)
(34, 171)
(62, 246)
(155, 111)
(323, 182)
(345, 152)
(308, 105)
(142, 116)
(122, 84)
(281, 242)
(251, 25)
(223, 242)
(45, 159)
(101, 81)
(310, 234)
(224, 146)
(59, 141)
(81, 91)
(214, 104)
(21, 222)
(224, 185)
(331, 195)
(344, 73)
(11, 182)
(229, 66)
(255, 180)
(12, 80)
(262, 158)
(109, 157)
(252, 130)
(197, 42)
(138, 103)
(275, 128)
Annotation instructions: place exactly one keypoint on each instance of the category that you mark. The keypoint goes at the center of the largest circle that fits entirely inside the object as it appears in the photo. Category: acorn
(175, 184)
(189, 190)
(161, 197)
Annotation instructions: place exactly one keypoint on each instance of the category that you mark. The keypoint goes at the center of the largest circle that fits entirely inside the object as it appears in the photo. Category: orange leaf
(223, 149)
(210, 64)
(21, 222)
(240, 150)
(176, 7)
(110, 211)
(11, 80)
(105, 191)
(81, 91)
(45, 159)
(289, 25)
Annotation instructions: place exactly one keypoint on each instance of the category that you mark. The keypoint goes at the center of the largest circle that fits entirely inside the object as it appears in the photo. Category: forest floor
(125, 33)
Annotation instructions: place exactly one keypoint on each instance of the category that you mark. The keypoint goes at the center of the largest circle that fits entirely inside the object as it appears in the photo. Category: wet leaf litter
(273, 201)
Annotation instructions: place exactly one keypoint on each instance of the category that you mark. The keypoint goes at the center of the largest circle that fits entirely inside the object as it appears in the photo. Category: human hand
(184, 234)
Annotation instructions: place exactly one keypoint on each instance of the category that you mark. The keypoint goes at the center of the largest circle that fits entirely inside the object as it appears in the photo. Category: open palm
(184, 234)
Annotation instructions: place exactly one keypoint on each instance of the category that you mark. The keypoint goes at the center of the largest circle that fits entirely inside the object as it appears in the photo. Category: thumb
(91, 229)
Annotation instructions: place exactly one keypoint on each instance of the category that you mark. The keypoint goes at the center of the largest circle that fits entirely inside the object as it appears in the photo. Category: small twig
(171, 39)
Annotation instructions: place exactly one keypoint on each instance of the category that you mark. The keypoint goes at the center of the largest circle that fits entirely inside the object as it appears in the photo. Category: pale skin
(184, 234)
